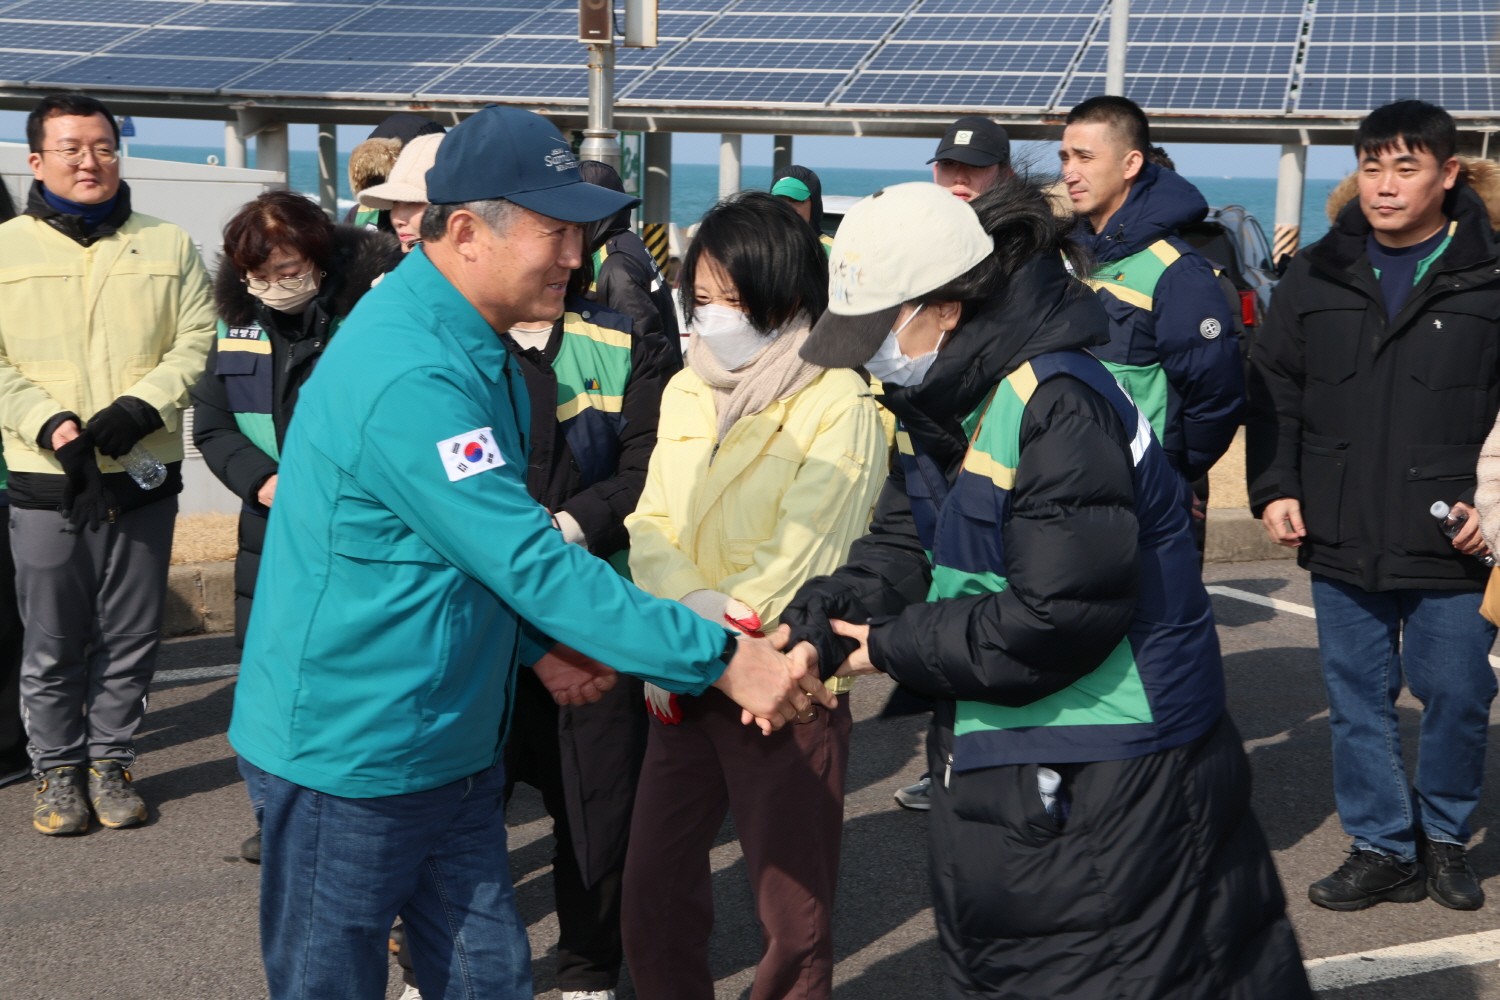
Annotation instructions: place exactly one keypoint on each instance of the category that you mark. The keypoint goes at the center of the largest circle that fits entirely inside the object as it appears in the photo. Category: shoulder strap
(1133, 279)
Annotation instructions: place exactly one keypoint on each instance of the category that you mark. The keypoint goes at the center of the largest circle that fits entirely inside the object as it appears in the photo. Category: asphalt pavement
(168, 910)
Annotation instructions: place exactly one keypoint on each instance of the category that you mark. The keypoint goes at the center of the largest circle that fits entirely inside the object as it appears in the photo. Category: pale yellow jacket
(780, 502)
(80, 326)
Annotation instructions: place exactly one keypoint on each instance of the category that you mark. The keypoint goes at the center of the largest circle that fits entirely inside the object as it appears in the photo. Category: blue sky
(1193, 159)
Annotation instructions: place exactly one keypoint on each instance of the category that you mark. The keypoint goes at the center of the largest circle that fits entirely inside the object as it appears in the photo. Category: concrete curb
(1233, 535)
(200, 598)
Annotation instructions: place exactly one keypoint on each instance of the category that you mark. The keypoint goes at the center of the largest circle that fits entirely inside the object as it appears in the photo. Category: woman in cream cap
(404, 193)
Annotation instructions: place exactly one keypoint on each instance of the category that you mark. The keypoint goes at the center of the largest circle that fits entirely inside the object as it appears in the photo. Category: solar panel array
(1256, 57)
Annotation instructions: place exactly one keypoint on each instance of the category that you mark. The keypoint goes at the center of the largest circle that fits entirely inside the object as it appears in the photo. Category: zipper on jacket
(948, 771)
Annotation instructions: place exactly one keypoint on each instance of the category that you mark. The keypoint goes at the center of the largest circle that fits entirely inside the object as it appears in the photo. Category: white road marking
(198, 673)
(1358, 968)
(1263, 600)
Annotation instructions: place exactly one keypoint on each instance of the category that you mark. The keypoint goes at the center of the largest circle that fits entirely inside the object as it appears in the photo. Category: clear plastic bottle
(1442, 512)
(145, 468)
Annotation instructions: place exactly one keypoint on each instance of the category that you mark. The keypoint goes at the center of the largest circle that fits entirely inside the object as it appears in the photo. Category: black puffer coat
(359, 257)
(1160, 884)
(1368, 421)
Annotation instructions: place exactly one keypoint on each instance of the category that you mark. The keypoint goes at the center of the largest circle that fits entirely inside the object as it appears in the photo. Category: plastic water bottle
(1441, 511)
(1049, 784)
(145, 468)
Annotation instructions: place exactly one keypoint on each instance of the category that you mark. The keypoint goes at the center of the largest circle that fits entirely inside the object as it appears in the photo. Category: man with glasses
(105, 323)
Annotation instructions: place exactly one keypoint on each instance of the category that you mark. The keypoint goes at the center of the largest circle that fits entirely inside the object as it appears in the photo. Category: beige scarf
(777, 372)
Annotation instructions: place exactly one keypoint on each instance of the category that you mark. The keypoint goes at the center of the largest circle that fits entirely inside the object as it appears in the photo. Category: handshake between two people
(772, 685)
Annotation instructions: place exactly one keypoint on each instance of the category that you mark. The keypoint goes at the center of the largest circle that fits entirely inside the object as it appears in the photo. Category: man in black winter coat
(1376, 379)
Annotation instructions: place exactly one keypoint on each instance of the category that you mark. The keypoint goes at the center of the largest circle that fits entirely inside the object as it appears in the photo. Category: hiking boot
(115, 800)
(250, 849)
(1449, 881)
(1369, 877)
(918, 796)
(57, 805)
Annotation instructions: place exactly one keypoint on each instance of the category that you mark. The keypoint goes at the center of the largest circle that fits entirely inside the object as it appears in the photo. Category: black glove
(819, 600)
(118, 426)
(86, 500)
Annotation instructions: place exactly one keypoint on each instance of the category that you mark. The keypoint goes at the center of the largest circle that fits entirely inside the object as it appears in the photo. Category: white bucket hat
(408, 179)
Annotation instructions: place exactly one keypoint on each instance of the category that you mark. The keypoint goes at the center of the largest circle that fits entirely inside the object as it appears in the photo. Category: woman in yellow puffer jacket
(765, 472)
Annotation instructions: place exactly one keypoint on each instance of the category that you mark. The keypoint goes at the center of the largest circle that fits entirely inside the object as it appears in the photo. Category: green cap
(791, 187)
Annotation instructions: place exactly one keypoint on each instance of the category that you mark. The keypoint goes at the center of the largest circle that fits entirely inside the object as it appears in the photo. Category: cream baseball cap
(408, 179)
(896, 245)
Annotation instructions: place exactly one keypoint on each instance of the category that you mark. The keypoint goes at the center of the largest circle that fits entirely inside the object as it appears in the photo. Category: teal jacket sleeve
(532, 644)
(488, 527)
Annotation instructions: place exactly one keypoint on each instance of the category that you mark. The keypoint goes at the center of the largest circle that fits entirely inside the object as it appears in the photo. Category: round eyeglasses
(292, 284)
(73, 156)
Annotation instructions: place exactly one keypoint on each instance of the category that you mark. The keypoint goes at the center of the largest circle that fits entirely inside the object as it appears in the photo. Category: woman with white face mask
(765, 470)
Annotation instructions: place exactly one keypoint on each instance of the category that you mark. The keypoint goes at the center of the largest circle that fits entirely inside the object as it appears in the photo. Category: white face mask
(890, 365)
(280, 299)
(729, 335)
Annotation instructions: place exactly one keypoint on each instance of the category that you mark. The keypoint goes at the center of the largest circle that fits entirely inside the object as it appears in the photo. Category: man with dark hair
(105, 312)
(971, 157)
(1172, 342)
(1374, 385)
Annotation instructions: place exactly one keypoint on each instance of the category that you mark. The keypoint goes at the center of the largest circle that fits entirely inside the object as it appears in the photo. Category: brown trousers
(786, 792)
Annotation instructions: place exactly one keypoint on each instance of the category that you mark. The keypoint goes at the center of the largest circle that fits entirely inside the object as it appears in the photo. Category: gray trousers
(92, 605)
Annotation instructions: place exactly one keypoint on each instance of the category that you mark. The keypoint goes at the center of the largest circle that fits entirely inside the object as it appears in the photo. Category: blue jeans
(336, 872)
(1436, 639)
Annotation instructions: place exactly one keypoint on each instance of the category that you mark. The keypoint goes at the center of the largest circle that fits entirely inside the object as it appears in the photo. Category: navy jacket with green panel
(404, 553)
(1029, 566)
(1171, 342)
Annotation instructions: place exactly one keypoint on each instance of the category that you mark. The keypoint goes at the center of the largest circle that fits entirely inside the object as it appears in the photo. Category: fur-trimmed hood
(359, 257)
(1480, 174)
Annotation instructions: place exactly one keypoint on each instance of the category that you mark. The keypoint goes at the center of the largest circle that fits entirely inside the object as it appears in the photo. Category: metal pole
(1119, 41)
(781, 155)
(658, 170)
(600, 140)
(234, 144)
(328, 170)
(1289, 185)
(729, 164)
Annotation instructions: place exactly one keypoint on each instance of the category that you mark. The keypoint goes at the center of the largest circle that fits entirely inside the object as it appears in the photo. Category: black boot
(1449, 880)
(250, 849)
(1368, 877)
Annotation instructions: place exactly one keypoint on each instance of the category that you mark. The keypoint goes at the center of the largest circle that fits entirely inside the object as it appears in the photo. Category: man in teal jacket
(404, 552)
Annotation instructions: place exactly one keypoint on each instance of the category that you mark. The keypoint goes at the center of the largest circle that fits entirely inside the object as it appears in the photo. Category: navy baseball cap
(520, 156)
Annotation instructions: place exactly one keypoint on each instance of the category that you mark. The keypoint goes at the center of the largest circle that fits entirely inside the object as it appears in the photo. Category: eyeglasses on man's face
(74, 155)
(292, 284)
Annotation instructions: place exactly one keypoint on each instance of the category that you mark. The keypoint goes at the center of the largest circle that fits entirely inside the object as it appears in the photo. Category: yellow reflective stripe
(1164, 252)
(603, 334)
(1023, 382)
(981, 464)
(237, 344)
(1127, 295)
(588, 400)
(903, 443)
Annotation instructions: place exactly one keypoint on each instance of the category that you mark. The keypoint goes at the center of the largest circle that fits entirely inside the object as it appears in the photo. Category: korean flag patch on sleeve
(469, 454)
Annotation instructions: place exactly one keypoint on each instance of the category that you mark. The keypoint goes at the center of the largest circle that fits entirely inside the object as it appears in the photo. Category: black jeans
(589, 949)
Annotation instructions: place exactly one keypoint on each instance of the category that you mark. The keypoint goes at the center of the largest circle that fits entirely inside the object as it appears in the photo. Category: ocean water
(695, 186)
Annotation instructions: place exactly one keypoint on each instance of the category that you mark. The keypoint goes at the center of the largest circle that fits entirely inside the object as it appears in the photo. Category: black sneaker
(57, 805)
(250, 849)
(1449, 880)
(1368, 877)
(114, 798)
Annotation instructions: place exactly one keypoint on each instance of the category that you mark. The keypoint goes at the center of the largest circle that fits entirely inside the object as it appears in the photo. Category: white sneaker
(411, 994)
(589, 995)
(918, 796)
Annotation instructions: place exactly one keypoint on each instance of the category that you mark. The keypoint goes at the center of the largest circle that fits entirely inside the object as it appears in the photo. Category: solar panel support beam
(600, 140)
(1289, 187)
(328, 170)
(781, 154)
(234, 145)
(729, 164)
(1119, 44)
(658, 171)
